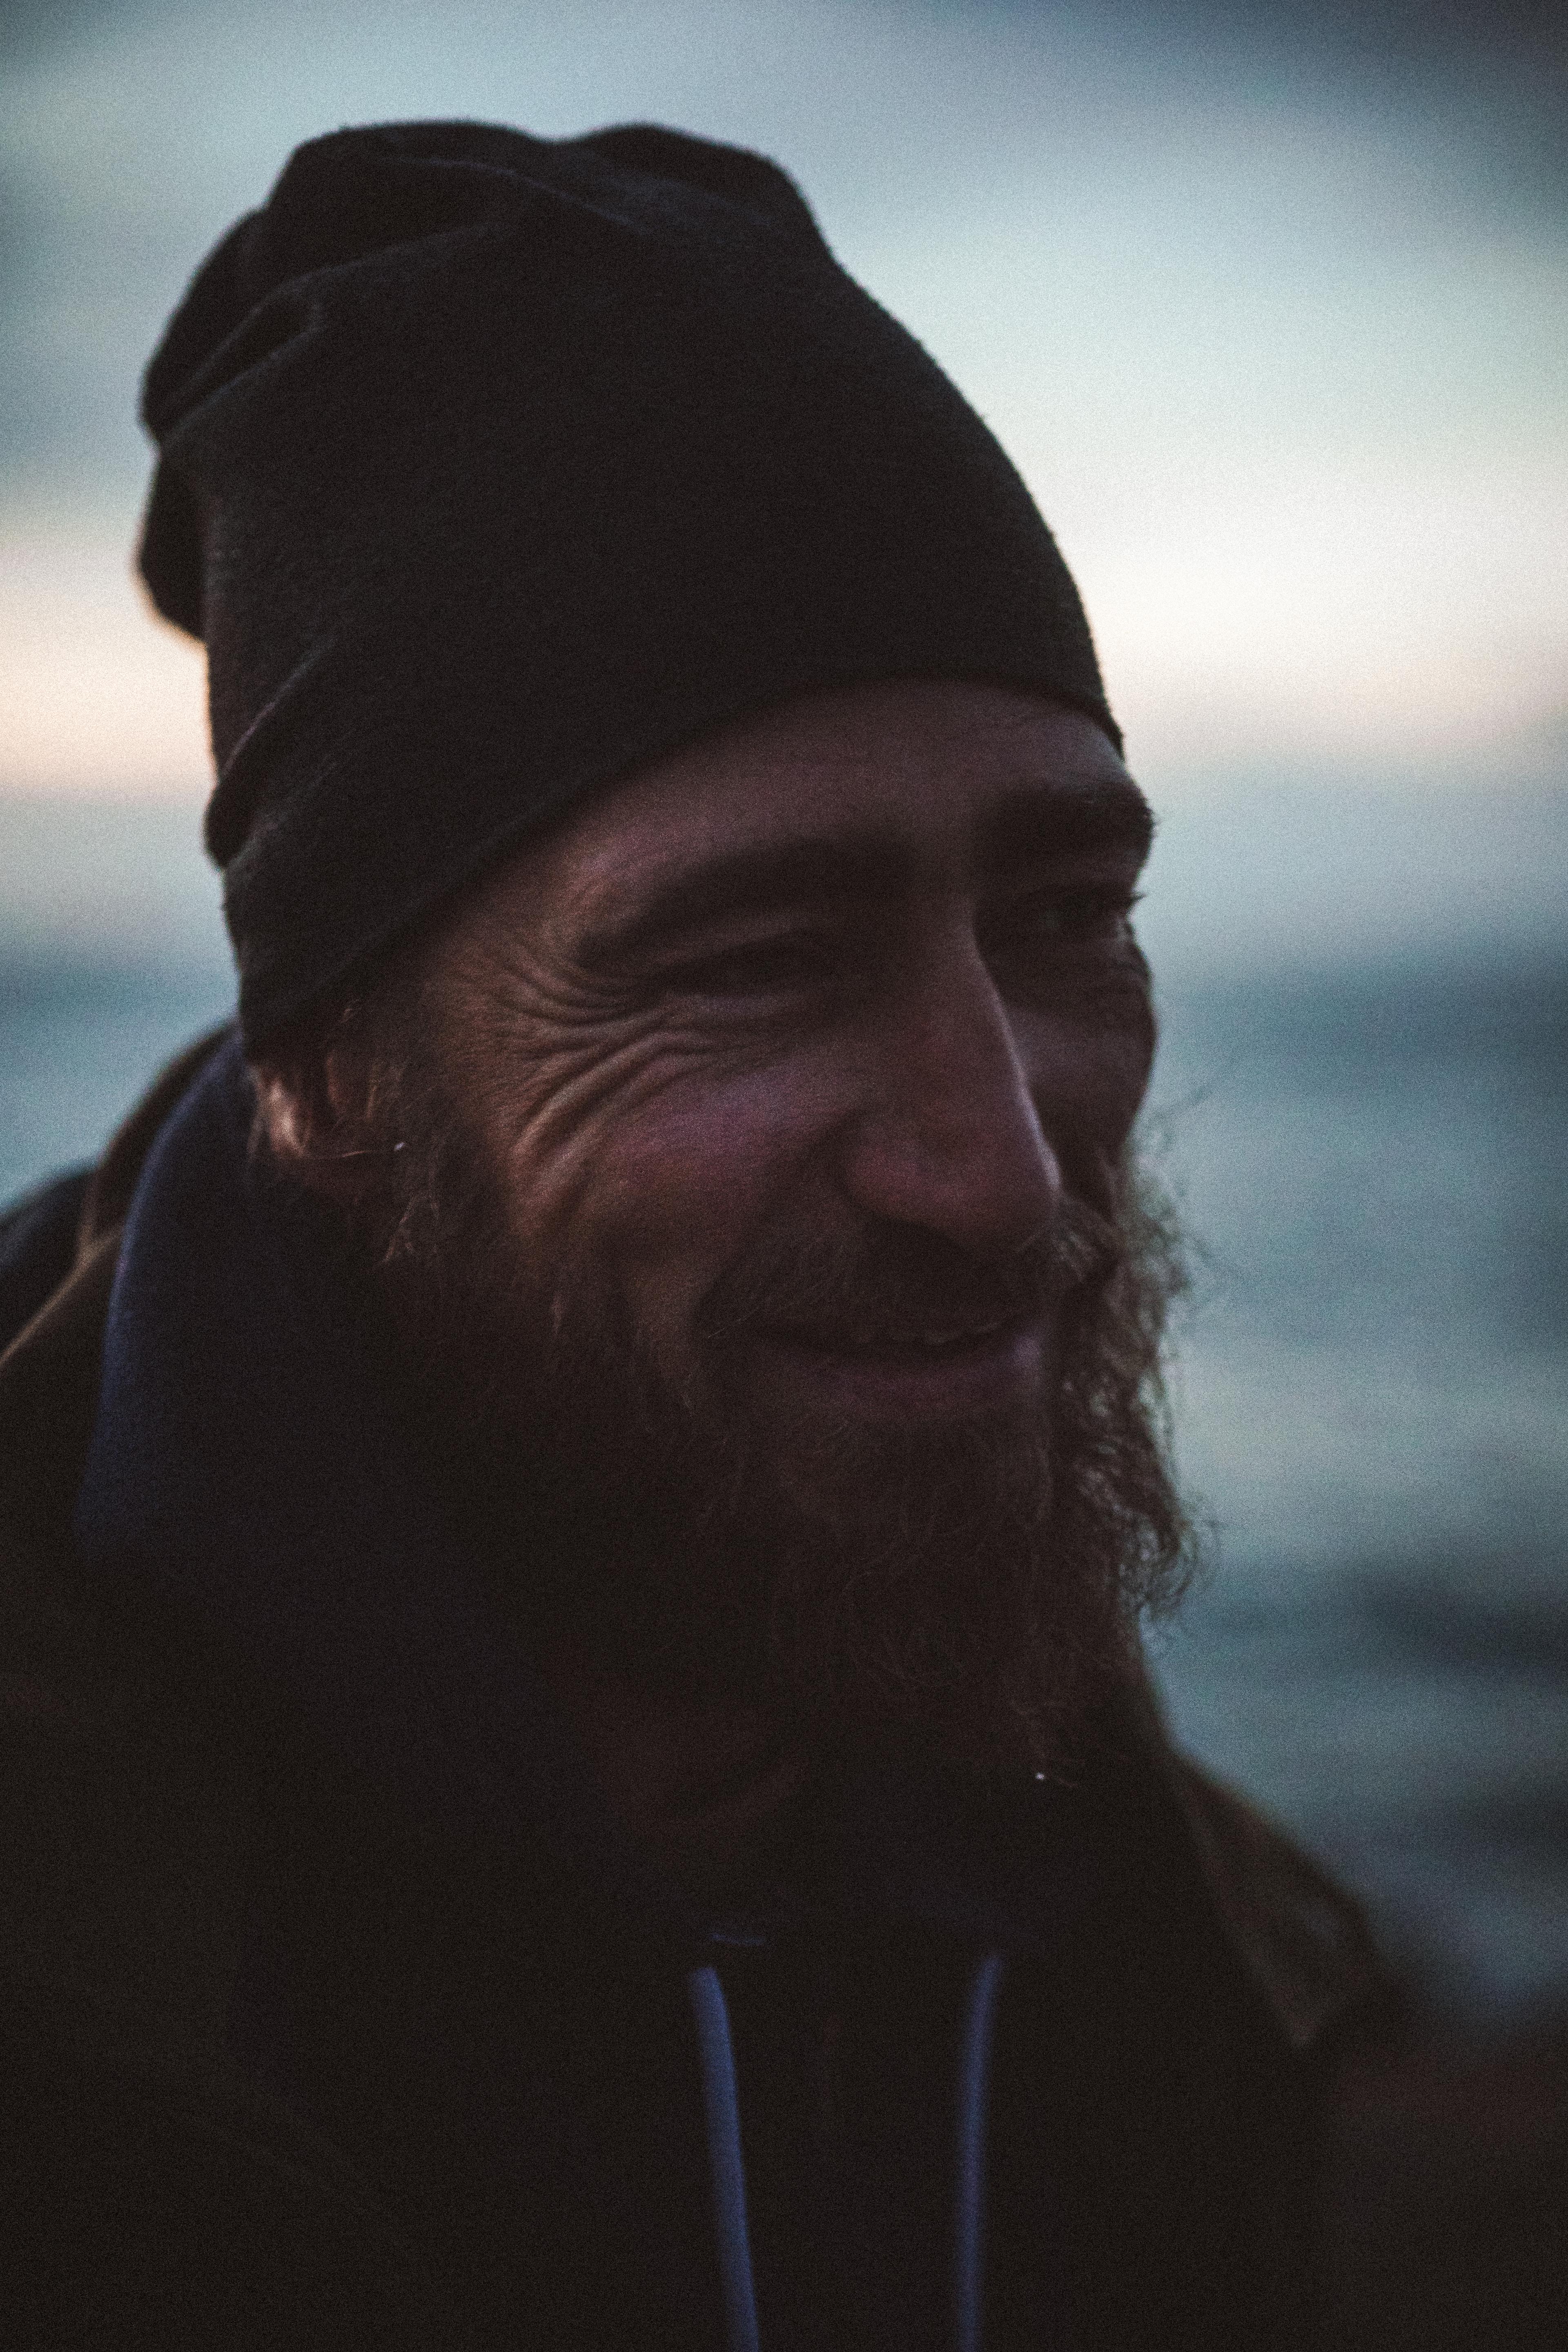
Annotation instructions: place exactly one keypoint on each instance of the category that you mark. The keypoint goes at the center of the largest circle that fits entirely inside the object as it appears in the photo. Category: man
(579, 1490)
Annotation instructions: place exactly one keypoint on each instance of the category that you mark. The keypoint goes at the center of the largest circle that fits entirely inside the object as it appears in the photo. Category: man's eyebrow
(1094, 812)
(745, 881)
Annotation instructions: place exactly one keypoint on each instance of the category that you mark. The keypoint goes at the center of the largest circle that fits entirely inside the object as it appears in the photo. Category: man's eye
(792, 962)
(1051, 918)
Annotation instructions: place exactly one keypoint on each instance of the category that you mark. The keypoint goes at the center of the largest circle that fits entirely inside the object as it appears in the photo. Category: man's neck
(709, 1788)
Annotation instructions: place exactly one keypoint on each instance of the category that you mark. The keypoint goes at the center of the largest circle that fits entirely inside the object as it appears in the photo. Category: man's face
(861, 963)
(792, 1078)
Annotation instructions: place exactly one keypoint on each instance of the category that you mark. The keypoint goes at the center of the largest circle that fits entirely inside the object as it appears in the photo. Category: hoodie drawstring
(969, 2196)
(721, 2108)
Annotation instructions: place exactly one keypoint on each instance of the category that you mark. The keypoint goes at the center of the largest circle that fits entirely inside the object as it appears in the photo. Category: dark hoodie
(344, 2013)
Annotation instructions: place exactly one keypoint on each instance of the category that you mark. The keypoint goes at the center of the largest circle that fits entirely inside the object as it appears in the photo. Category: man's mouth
(932, 1371)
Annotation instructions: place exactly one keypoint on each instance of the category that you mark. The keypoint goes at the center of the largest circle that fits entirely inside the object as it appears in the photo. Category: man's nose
(949, 1137)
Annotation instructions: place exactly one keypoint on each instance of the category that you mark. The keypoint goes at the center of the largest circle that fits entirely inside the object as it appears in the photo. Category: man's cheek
(675, 1203)
(693, 1173)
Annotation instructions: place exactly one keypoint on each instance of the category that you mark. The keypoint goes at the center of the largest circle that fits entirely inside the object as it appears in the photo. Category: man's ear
(311, 1107)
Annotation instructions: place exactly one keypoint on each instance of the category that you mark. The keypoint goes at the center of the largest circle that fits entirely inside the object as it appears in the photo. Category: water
(1373, 1398)
(1368, 1135)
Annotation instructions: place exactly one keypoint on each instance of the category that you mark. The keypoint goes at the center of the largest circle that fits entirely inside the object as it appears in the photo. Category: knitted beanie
(493, 467)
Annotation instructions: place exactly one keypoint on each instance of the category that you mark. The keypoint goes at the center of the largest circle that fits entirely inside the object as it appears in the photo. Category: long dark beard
(971, 1593)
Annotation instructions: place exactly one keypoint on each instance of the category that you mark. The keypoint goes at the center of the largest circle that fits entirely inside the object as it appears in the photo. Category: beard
(968, 1594)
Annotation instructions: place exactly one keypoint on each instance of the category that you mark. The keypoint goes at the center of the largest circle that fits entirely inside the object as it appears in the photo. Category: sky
(1269, 306)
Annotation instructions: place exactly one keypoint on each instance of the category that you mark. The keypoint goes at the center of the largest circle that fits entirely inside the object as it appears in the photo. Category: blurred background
(1271, 307)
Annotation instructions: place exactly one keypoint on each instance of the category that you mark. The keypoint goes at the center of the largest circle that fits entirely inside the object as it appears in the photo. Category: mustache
(884, 1286)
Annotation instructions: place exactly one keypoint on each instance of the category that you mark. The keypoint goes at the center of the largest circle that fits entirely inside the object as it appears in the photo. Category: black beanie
(493, 467)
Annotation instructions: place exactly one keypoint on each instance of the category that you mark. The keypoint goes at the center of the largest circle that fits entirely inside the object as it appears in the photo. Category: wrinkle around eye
(572, 1081)
(534, 1000)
